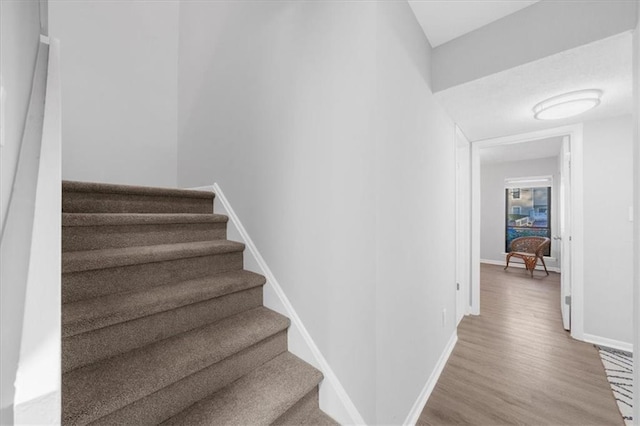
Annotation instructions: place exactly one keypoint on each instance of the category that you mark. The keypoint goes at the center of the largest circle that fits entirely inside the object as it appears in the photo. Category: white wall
(415, 216)
(119, 90)
(19, 39)
(277, 105)
(492, 226)
(20, 27)
(518, 38)
(608, 232)
(317, 120)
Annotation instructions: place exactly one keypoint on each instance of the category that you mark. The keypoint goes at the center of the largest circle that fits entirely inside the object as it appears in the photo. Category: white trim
(610, 343)
(37, 385)
(527, 137)
(463, 271)
(44, 17)
(577, 250)
(518, 264)
(334, 399)
(44, 39)
(3, 112)
(425, 393)
(475, 230)
(636, 214)
(529, 182)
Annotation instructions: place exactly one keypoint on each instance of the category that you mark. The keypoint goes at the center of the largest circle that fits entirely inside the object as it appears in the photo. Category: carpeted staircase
(160, 323)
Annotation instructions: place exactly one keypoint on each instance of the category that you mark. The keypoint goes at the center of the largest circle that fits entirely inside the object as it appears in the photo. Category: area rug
(619, 368)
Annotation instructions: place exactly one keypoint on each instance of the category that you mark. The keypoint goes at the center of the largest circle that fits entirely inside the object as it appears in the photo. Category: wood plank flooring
(514, 364)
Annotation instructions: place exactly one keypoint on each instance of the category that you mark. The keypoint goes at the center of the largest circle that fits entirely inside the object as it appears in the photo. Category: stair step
(78, 261)
(258, 398)
(100, 282)
(306, 412)
(103, 387)
(301, 410)
(86, 197)
(119, 219)
(85, 348)
(317, 418)
(171, 400)
(92, 314)
(161, 324)
(95, 231)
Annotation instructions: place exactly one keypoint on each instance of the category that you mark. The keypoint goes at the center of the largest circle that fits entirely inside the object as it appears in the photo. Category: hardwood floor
(514, 364)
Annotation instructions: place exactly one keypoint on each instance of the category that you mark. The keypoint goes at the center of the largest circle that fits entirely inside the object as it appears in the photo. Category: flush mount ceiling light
(567, 105)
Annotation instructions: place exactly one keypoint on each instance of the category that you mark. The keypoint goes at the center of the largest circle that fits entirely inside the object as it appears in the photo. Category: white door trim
(577, 252)
(463, 225)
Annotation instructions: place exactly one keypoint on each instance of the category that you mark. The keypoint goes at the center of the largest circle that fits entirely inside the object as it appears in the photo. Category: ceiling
(543, 148)
(501, 104)
(444, 20)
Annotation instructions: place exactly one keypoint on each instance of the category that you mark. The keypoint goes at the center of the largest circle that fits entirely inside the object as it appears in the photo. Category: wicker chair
(529, 249)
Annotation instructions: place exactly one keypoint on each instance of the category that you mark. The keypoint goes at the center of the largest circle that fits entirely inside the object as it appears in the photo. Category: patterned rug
(619, 368)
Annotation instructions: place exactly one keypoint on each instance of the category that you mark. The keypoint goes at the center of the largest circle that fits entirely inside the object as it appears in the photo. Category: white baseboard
(517, 264)
(420, 403)
(610, 343)
(334, 399)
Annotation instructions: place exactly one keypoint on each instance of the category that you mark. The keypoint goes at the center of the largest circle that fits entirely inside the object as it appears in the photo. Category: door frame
(463, 228)
(577, 218)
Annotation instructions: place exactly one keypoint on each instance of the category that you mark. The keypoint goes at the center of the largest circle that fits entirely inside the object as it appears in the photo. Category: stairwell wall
(119, 90)
(318, 121)
(415, 224)
(276, 104)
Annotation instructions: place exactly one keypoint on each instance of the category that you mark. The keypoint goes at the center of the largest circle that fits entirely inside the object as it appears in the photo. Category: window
(528, 210)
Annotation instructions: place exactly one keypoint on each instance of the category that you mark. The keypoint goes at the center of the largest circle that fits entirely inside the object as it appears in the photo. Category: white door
(463, 224)
(565, 234)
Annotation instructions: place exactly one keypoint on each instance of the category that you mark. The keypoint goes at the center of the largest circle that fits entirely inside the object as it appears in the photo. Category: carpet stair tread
(76, 261)
(306, 411)
(91, 314)
(100, 231)
(121, 219)
(160, 322)
(87, 197)
(317, 418)
(85, 348)
(258, 398)
(100, 388)
(175, 398)
(106, 188)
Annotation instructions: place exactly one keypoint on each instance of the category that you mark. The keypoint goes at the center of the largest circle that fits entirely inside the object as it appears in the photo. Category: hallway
(515, 364)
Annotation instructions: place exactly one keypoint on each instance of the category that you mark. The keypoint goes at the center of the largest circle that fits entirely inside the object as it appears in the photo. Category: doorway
(568, 239)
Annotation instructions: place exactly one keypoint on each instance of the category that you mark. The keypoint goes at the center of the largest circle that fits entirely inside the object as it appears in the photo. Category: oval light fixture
(567, 105)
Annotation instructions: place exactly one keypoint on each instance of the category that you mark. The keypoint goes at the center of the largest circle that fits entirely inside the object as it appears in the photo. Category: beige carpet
(160, 322)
